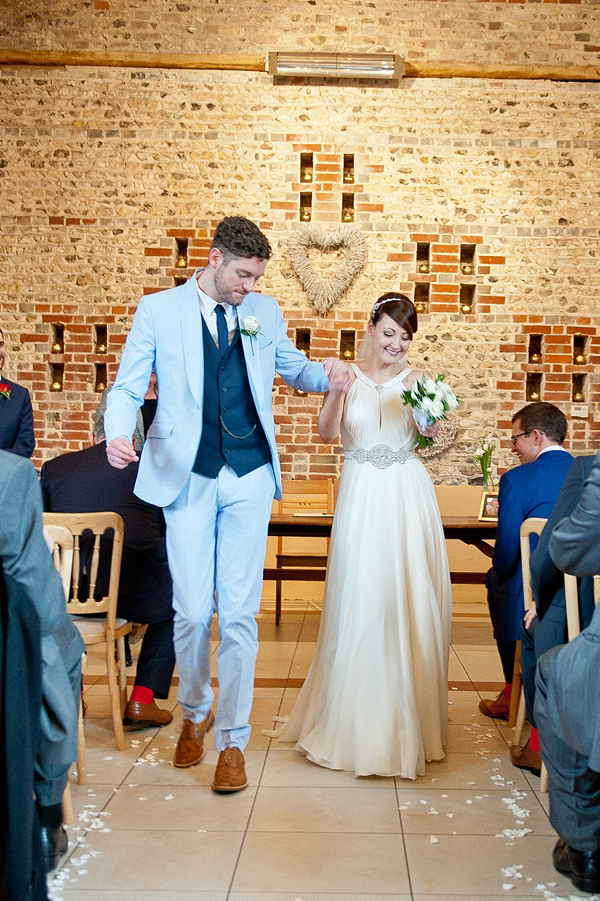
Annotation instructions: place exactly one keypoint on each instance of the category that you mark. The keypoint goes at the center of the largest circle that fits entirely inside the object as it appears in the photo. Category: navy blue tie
(222, 330)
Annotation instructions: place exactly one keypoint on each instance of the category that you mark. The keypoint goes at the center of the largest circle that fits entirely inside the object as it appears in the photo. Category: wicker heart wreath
(323, 293)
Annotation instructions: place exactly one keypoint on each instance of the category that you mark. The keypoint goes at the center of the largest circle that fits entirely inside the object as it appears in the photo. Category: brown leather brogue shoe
(230, 774)
(497, 708)
(144, 716)
(526, 759)
(190, 747)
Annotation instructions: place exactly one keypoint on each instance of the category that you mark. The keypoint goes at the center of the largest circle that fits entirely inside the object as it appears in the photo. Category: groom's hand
(120, 453)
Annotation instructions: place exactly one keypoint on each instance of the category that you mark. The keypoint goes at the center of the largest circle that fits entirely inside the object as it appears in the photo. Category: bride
(375, 698)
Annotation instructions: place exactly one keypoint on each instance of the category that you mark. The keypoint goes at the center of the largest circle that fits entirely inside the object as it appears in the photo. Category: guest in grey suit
(567, 710)
(27, 567)
(545, 624)
(567, 705)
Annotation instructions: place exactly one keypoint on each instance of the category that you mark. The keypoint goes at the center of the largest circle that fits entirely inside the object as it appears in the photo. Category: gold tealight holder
(56, 385)
(466, 308)
(348, 355)
(57, 348)
(580, 359)
(535, 358)
(578, 397)
(181, 262)
(423, 267)
(420, 307)
(100, 348)
(467, 268)
(534, 395)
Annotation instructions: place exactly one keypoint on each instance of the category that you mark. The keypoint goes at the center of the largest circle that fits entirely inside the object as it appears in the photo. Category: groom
(211, 462)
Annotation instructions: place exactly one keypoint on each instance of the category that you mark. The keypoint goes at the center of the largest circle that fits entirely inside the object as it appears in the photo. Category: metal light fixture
(336, 65)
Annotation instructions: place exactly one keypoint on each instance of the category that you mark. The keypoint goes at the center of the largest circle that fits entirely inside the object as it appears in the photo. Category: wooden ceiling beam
(224, 63)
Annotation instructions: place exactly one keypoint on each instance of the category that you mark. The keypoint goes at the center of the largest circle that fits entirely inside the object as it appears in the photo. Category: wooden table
(459, 528)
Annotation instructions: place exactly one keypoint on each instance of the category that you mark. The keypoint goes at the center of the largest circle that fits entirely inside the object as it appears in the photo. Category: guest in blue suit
(538, 433)
(16, 414)
(211, 462)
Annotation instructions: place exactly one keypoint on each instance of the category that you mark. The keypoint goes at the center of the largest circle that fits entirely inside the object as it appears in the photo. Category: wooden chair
(516, 715)
(62, 555)
(96, 617)
(302, 496)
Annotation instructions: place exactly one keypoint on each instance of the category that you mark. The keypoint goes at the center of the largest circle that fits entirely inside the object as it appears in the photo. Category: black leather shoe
(582, 867)
(55, 844)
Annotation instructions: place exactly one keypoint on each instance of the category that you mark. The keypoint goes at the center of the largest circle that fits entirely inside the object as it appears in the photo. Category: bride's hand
(339, 376)
(430, 431)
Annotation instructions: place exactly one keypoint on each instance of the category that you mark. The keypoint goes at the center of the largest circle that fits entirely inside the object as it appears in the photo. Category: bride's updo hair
(399, 308)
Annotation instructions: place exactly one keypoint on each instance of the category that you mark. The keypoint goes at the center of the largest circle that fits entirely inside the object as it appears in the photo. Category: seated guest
(22, 870)
(84, 482)
(531, 489)
(144, 416)
(548, 628)
(16, 414)
(29, 576)
(567, 711)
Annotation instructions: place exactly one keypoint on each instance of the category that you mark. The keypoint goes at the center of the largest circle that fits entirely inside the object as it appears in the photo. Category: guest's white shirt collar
(551, 447)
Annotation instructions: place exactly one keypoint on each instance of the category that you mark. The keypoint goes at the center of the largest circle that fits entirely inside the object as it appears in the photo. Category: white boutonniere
(251, 327)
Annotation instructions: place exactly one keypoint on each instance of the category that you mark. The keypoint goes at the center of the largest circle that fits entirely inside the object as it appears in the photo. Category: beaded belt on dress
(380, 456)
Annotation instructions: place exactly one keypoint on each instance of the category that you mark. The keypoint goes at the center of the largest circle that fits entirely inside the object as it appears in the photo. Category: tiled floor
(472, 828)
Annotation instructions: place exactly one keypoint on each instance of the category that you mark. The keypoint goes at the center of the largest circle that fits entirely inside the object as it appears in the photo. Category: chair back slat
(98, 524)
(75, 579)
(94, 567)
(62, 553)
(531, 526)
(572, 604)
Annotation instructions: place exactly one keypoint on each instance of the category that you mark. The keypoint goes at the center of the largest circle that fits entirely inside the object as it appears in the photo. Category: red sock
(142, 694)
(507, 691)
(534, 740)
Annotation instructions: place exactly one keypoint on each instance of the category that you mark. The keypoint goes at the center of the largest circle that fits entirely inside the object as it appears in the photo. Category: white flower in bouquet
(430, 401)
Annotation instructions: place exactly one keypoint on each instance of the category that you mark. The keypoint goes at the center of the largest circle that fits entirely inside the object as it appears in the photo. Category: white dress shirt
(208, 307)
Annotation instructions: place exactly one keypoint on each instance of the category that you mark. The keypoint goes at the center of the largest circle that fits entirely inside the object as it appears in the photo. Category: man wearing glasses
(531, 489)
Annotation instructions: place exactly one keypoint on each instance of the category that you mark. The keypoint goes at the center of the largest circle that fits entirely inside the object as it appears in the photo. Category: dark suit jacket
(85, 482)
(16, 421)
(527, 490)
(547, 580)
(575, 542)
(21, 858)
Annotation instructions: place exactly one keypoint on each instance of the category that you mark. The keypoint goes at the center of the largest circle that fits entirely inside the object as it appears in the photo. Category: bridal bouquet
(430, 401)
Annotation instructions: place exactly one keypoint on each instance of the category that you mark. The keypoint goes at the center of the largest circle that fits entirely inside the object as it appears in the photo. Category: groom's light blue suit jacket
(167, 335)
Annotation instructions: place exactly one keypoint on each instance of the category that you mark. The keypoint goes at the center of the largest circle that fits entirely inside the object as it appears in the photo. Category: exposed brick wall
(103, 171)
(542, 31)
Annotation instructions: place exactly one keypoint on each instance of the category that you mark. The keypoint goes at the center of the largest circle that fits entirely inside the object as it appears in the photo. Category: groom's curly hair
(236, 236)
